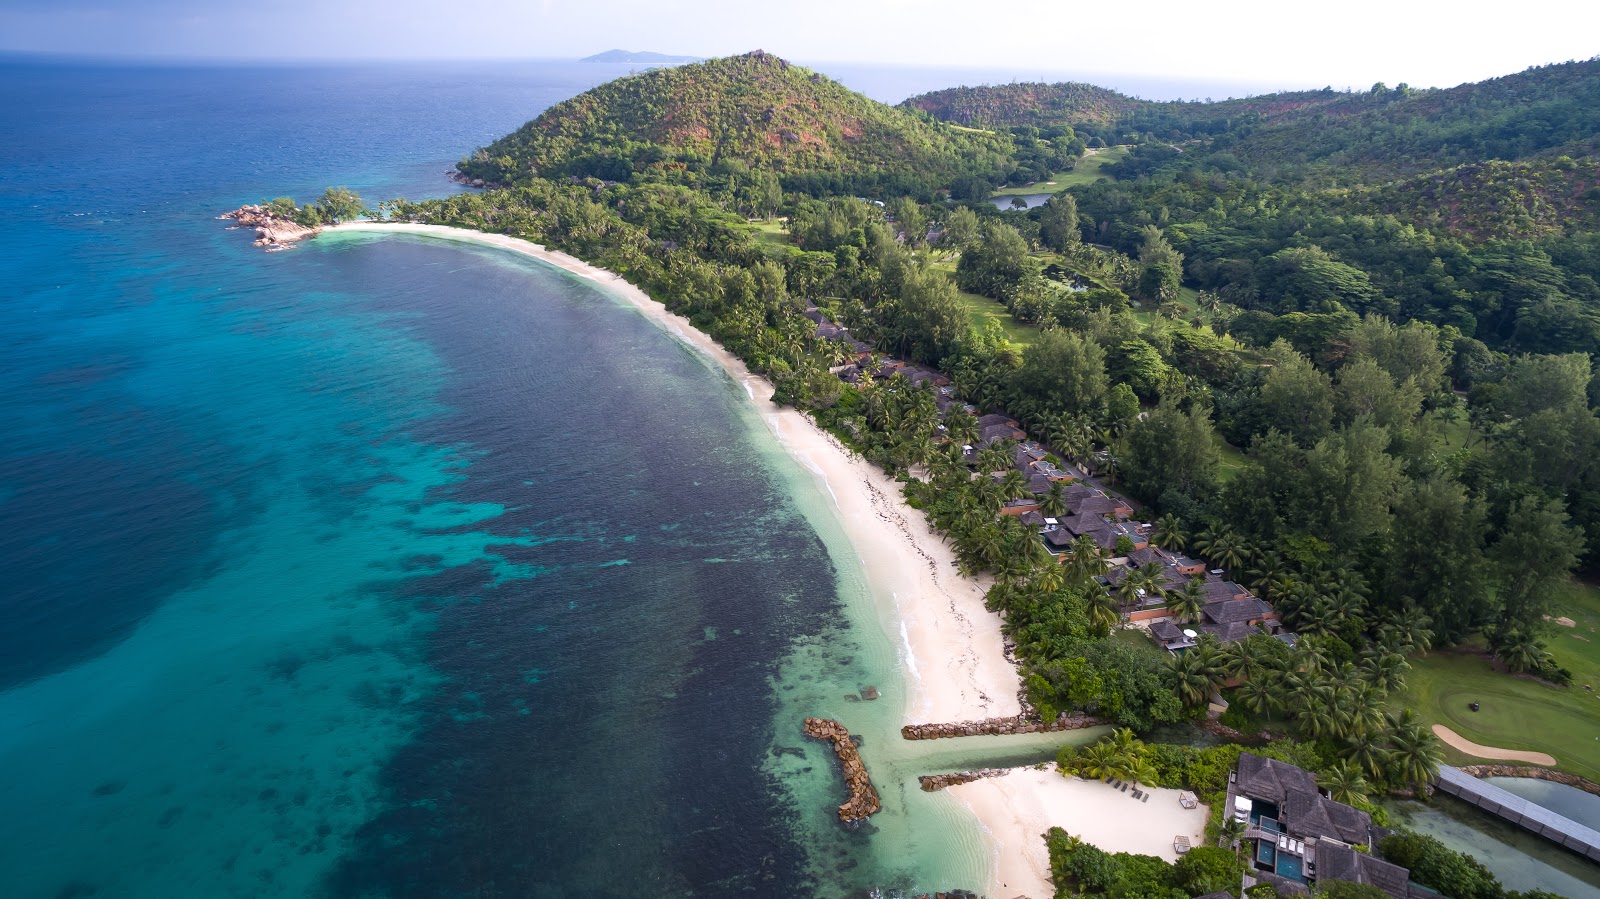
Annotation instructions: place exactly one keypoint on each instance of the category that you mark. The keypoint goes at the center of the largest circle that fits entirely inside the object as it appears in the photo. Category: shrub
(1209, 869)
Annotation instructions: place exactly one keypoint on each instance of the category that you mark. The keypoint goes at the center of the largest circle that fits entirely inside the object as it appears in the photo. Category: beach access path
(952, 649)
(1017, 808)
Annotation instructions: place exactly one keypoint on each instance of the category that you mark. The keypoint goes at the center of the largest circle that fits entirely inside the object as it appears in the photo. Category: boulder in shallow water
(869, 692)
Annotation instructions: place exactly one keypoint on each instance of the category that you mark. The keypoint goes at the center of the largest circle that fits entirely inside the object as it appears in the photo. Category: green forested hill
(1384, 132)
(1403, 132)
(1006, 105)
(751, 112)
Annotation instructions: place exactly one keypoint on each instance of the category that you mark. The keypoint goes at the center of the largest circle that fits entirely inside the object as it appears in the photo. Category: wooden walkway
(1560, 830)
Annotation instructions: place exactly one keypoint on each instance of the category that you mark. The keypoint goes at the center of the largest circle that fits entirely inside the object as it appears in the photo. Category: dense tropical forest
(1340, 345)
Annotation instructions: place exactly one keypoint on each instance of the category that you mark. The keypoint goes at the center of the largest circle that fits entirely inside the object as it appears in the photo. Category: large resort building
(1296, 837)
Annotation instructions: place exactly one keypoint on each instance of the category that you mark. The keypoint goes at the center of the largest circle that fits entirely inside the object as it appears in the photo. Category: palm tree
(1259, 694)
(1385, 669)
(1169, 533)
(1344, 783)
(1232, 830)
(1013, 484)
(1243, 658)
(1269, 566)
(1054, 503)
(1228, 551)
(1193, 678)
(1206, 539)
(1086, 562)
(1185, 604)
(1102, 609)
(1367, 754)
(1149, 577)
(1415, 756)
(1100, 761)
(1129, 591)
(1048, 578)
(961, 426)
(1520, 650)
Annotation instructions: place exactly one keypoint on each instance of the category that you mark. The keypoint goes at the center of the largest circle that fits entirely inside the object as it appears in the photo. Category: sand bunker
(1462, 744)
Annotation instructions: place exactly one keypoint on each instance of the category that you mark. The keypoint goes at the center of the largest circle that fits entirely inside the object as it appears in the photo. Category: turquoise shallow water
(373, 568)
(384, 567)
(1520, 859)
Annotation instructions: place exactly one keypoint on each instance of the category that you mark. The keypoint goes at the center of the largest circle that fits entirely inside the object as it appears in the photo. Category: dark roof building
(1301, 836)
(1336, 862)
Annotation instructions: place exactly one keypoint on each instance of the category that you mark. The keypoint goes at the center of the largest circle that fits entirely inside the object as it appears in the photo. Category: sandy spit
(1016, 809)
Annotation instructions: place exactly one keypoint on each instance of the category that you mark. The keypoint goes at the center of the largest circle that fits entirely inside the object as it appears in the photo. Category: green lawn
(1230, 461)
(1515, 712)
(981, 310)
(772, 232)
(1086, 172)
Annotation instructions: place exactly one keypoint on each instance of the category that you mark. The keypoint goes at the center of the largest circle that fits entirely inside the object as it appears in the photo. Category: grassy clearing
(1577, 649)
(1085, 173)
(1230, 459)
(982, 310)
(1516, 712)
(774, 232)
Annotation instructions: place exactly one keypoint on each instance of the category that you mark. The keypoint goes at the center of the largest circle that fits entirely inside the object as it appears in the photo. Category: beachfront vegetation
(1403, 391)
(337, 204)
(1080, 869)
(1451, 873)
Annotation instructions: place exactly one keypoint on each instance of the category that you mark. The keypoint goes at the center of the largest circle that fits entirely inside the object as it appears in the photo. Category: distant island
(645, 57)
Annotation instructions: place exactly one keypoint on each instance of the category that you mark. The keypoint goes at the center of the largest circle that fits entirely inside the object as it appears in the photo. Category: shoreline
(1025, 802)
(951, 648)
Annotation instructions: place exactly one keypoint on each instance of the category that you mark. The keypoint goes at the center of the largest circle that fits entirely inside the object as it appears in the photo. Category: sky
(1352, 43)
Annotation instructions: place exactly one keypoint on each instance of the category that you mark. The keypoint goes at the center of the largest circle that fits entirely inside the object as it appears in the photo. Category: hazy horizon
(1244, 42)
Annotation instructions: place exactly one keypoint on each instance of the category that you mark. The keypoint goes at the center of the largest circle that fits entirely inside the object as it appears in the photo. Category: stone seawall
(1560, 777)
(934, 782)
(998, 727)
(863, 795)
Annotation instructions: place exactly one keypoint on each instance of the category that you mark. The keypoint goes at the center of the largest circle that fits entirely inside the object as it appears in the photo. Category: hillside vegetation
(1387, 301)
(750, 112)
(1005, 105)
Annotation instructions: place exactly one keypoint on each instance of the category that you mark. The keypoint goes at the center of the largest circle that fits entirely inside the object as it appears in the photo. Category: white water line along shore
(952, 660)
(955, 665)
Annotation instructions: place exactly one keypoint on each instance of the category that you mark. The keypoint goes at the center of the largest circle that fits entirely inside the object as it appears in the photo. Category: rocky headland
(272, 231)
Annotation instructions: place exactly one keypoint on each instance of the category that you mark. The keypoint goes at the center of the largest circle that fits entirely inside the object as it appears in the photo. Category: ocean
(389, 567)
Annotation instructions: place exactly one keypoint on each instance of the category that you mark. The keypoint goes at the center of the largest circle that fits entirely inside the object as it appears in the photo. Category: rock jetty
(932, 783)
(863, 795)
(1019, 724)
(272, 231)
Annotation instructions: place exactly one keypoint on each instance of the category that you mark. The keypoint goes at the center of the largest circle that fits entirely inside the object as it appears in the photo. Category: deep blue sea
(379, 567)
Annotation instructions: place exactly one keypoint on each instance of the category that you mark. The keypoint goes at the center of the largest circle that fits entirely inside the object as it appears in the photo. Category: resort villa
(1296, 837)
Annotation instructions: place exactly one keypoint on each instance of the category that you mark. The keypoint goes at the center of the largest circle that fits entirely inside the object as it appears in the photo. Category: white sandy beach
(951, 644)
(1016, 809)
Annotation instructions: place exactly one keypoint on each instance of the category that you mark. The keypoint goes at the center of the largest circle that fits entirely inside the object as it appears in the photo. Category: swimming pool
(1290, 866)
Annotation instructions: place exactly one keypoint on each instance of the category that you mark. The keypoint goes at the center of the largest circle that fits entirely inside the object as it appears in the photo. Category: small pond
(1521, 860)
